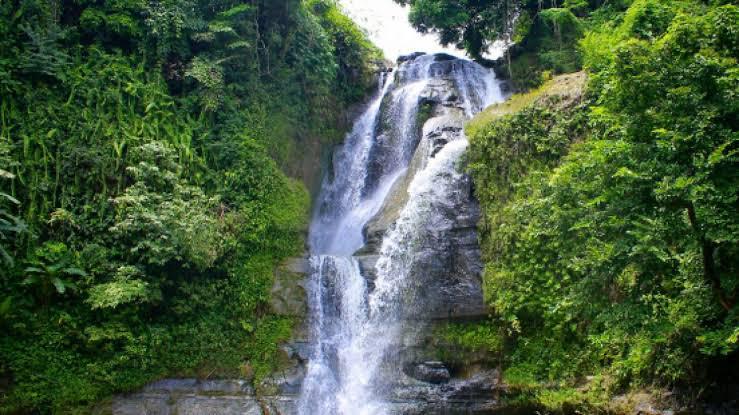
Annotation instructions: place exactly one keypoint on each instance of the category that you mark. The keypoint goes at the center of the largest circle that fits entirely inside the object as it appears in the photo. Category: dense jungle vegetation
(611, 224)
(143, 204)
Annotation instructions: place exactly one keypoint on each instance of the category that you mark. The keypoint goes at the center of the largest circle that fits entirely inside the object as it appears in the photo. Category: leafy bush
(610, 229)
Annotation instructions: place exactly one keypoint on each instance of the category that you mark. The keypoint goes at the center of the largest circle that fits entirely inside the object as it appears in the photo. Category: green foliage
(469, 25)
(647, 19)
(610, 228)
(10, 224)
(543, 36)
(52, 268)
(267, 336)
(565, 400)
(209, 76)
(474, 337)
(124, 289)
(357, 57)
(549, 45)
(578, 7)
(42, 55)
(163, 217)
(143, 200)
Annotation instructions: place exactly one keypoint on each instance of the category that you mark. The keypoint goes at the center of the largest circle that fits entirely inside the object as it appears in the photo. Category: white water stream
(354, 328)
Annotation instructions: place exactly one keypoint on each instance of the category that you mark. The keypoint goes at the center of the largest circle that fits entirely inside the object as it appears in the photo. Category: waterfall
(354, 322)
(339, 306)
(341, 212)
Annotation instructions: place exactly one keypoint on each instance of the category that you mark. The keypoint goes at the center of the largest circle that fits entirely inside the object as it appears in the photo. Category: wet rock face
(477, 395)
(446, 271)
(213, 397)
(423, 88)
(195, 397)
(447, 267)
(430, 372)
(410, 57)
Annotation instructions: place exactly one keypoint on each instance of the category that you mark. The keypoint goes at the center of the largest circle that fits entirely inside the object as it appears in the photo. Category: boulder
(409, 57)
(439, 57)
(430, 372)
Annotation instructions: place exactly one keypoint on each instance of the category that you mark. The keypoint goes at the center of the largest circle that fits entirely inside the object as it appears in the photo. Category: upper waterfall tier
(384, 139)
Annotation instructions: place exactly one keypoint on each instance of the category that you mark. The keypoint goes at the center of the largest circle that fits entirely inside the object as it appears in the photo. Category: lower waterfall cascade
(390, 206)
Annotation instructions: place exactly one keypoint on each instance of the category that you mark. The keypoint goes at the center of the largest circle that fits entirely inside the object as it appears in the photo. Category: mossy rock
(289, 297)
(562, 91)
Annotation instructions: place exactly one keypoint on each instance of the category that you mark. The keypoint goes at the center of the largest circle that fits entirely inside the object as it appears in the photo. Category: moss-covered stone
(565, 89)
(289, 296)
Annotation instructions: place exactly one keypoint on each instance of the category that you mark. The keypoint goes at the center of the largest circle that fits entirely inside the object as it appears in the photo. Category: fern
(43, 54)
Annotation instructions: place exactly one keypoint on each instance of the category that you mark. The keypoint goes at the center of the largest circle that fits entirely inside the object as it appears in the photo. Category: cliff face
(446, 266)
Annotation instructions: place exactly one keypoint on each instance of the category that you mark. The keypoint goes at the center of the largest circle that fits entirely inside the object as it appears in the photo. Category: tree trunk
(709, 266)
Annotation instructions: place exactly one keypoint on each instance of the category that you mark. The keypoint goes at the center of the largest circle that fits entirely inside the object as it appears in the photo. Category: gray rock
(476, 395)
(430, 372)
(298, 350)
(225, 387)
(212, 397)
(173, 386)
(198, 405)
(287, 382)
(444, 57)
(142, 404)
(446, 272)
(448, 268)
(410, 57)
(289, 297)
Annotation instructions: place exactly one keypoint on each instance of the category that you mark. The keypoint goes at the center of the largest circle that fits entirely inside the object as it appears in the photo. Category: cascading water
(342, 210)
(354, 323)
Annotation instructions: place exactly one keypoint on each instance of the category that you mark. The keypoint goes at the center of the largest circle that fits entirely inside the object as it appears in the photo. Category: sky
(387, 25)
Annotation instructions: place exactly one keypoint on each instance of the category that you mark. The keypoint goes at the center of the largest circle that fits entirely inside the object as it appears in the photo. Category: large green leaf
(59, 284)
